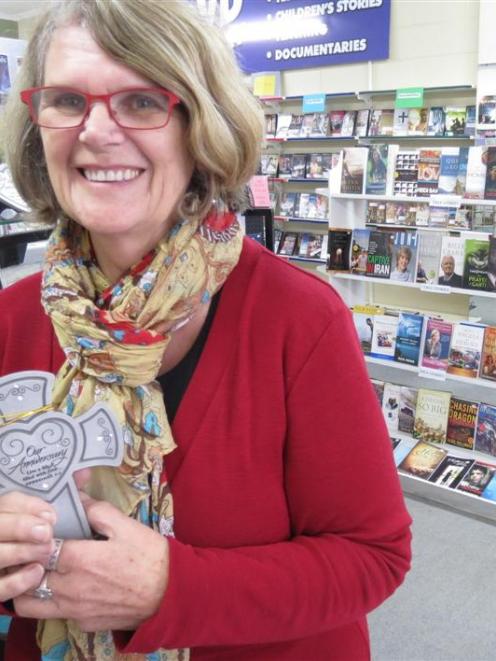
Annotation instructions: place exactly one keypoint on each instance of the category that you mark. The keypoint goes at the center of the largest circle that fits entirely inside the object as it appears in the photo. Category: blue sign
(314, 103)
(273, 35)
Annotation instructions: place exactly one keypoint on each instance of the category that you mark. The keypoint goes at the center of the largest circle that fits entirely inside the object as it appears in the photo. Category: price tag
(436, 289)
(428, 373)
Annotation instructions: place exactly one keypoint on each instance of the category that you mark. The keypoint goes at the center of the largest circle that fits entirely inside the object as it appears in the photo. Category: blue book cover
(485, 435)
(448, 171)
(408, 338)
(489, 492)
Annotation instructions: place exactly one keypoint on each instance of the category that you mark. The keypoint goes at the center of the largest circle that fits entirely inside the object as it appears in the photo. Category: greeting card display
(40, 450)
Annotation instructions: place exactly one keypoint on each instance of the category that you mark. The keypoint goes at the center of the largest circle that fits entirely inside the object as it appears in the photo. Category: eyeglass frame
(27, 98)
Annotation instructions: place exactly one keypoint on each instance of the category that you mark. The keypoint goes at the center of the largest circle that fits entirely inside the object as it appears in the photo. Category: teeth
(111, 175)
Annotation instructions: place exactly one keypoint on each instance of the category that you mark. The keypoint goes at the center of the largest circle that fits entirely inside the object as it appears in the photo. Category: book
(294, 128)
(384, 336)
(270, 125)
(422, 460)
(476, 172)
(378, 387)
(455, 117)
(422, 214)
(320, 125)
(488, 357)
(287, 204)
(283, 124)
(486, 115)
(322, 207)
(408, 407)
(353, 169)
(348, 123)
(489, 492)
(431, 417)
(404, 256)
(485, 433)
(462, 417)
(277, 239)
(310, 245)
(406, 172)
(440, 215)
(306, 125)
(400, 121)
(402, 449)
(408, 338)
(298, 166)
(448, 170)
(362, 123)
(491, 264)
(490, 185)
(376, 213)
(307, 207)
(396, 213)
(428, 172)
(477, 478)
(359, 250)
(436, 121)
(418, 119)
(285, 165)
(476, 264)
(429, 251)
(450, 471)
(381, 122)
(435, 350)
(377, 170)
(288, 244)
(465, 349)
(339, 245)
(336, 122)
(379, 254)
(391, 406)
(451, 262)
(470, 120)
(269, 164)
(363, 318)
(318, 166)
(461, 178)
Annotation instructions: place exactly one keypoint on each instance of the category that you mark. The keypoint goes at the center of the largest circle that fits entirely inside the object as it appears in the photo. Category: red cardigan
(290, 524)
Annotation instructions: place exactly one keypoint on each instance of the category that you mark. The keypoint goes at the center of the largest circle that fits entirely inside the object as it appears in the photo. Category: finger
(13, 555)
(103, 517)
(19, 503)
(82, 477)
(17, 583)
(24, 528)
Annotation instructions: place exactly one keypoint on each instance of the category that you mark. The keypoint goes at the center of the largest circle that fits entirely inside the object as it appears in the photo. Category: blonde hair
(170, 44)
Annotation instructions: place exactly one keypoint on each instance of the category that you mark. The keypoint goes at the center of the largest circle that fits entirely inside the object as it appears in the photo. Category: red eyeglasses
(66, 108)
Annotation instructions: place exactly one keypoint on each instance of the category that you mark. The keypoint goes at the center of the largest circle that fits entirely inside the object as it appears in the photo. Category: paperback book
(436, 121)
(476, 172)
(475, 274)
(491, 264)
(408, 338)
(339, 245)
(378, 387)
(455, 117)
(336, 122)
(288, 243)
(310, 246)
(287, 204)
(384, 337)
(381, 122)
(298, 166)
(490, 185)
(462, 418)
(283, 124)
(451, 261)
(379, 254)
(418, 120)
(477, 478)
(465, 350)
(423, 460)
(485, 435)
(428, 172)
(376, 213)
(488, 358)
(354, 164)
(362, 123)
(319, 166)
(377, 170)
(391, 406)
(359, 250)
(404, 256)
(408, 408)
(406, 173)
(348, 124)
(429, 252)
(294, 129)
(363, 318)
(431, 419)
(270, 125)
(400, 121)
(436, 347)
(450, 471)
(448, 171)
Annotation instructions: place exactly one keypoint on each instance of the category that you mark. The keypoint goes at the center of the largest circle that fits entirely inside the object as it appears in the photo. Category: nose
(99, 128)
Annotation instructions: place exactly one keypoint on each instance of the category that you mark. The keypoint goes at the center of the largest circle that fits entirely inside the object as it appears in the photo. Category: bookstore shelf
(295, 219)
(456, 139)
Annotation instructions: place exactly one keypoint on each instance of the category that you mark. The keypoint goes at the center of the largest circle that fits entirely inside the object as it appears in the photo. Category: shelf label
(267, 84)
(409, 97)
(314, 103)
(436, 289)
(429, 373)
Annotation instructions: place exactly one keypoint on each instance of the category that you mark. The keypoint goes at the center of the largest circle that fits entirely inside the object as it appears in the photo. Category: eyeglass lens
(63, 108)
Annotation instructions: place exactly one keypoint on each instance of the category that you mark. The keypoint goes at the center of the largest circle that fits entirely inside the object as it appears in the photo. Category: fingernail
(48, 516)
(40, 532)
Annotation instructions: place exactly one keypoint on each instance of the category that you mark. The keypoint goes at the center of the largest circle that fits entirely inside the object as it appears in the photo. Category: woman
(273, 553)
(401, 272)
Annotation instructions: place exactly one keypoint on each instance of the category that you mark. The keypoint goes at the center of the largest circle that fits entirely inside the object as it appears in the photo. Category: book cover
(339, 245)
(491, 264)
(386, 120)
(379, 255)
(422, 214)
(306, 125)
(462, 417)
(436, 347)
(285, 165)
(418, 119)
(288, 244)
(402, 449)
(359, 250)
(488, 358)
(353, 169)
(320, 125)
(429, 251)
(400, 121)
(476, 264)
(487, 113)
(391, 406)
(298, 166)
(477, 478)
(408, 408)
(470, 120)
(450, 471)
(461, 178)
(452, 259)
(406, 173)
(448, 170)
(436, 121)
(318, 166)
(408, 338)
(455, 117)
(362, 123)
(485, 432)
(384, 336)
(422, 460)
(348, 123)
(310, 245)
(490, 185)
(270, 125)
(277, 239)
(476, 172)
(378, 387)
(377, 170)
(465, 350)
(294, 128)
(336, 122)
(283, 124)
(431, 418)
(489, 492)
(440, 215)
(287, 204)
(428, 172)
(404, 256)
(269, 164)
(396, 213)
(376, 213)
(363, 318)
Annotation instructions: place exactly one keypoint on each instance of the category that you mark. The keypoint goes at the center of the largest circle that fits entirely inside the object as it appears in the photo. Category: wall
(432, 43)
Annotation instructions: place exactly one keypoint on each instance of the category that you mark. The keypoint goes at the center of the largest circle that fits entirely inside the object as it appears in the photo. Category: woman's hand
(26, 542)
(113, 584)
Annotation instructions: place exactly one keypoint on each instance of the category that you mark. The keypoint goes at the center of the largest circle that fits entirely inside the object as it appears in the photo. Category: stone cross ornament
(40, 451)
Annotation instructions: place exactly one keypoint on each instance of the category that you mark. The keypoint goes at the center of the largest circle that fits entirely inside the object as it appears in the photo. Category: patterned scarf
(114, 337)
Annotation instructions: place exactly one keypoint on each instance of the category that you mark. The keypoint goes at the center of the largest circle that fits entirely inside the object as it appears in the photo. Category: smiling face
(121, 184)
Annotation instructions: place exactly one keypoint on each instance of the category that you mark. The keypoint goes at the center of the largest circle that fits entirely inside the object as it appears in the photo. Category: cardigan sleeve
(350, 542)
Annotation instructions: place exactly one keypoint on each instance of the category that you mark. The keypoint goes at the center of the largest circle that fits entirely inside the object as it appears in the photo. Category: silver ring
(54, 556)
(43, 592)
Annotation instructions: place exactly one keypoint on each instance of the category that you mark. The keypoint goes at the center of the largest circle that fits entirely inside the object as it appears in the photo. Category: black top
(175, 382)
